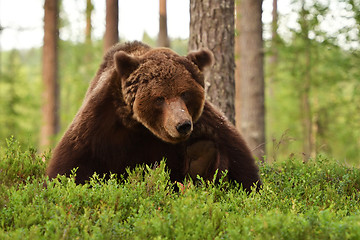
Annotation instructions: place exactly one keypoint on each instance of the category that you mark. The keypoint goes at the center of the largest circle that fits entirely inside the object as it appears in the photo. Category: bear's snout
(184, 128)
(177, 120)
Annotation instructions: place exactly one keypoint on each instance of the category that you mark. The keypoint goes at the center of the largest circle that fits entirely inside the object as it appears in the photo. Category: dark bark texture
(212, 26)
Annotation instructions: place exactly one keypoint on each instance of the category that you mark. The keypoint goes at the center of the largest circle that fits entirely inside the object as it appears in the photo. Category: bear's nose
(184, 128)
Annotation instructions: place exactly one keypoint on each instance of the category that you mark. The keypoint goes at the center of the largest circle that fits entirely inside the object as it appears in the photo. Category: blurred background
(287, 72)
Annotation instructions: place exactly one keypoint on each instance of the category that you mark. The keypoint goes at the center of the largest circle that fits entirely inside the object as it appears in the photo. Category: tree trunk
(212, 26)
(88, 28)
(238, 66)
(306, 119)
(274, 35)
(111, 26)
(305, 107)
(163, 39)
(273, 59)
(50, 118)
(273, 65)
(252, 76)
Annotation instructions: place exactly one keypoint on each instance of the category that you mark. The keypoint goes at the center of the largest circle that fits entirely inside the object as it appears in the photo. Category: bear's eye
(185, 96)
(159, 101)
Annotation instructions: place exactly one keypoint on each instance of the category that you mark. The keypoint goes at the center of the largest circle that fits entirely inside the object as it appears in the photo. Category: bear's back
(133, 48)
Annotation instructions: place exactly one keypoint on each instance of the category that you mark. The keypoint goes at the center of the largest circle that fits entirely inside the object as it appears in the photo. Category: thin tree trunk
(273, 59)
(305, 107)
(314, 127)
(88, 28)
(273, 65)
(50, 118)
(163, 39)
(111, 26)
(306, 119)
(212, 26)
(252, 76)
(274, 35)
(238, 66)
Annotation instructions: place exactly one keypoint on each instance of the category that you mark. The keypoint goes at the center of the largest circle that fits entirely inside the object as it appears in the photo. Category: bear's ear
(202, 58)
(125, 64)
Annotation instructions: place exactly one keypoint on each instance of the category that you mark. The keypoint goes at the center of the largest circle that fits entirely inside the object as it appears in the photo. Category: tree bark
(88, 28)
(111, 36)
(238, 66)
(163, 39)
(252, 76)
(212, 26)
(50, 117)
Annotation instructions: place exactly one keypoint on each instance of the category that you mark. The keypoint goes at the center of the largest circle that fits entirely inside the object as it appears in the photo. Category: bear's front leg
(203, 159)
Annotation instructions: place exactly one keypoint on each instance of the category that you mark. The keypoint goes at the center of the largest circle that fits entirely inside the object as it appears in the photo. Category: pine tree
(212, 26)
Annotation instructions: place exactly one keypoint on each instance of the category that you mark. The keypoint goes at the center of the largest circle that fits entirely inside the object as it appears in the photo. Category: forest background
(312, 81)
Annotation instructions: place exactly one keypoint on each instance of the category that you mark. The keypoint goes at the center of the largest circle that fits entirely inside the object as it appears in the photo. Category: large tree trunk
(238, 66)
(111, 26)
(252, 76)
(163, 39)
(50, 118)
(88, 28)
(212, 26)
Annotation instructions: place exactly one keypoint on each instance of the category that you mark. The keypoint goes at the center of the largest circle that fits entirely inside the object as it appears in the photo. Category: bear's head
(164, 91)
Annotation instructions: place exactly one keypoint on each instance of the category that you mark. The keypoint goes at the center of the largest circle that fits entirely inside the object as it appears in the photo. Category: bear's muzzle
(177, 120)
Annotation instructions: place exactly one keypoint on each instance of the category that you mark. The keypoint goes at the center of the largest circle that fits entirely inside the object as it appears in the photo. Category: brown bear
(147, 104)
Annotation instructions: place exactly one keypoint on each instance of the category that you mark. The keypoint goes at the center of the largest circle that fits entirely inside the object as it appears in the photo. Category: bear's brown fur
(145, 104)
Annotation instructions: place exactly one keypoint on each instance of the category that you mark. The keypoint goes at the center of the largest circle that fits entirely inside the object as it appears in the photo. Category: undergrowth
(314, 200)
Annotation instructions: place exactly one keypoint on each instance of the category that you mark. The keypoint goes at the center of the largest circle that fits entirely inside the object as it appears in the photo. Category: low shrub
(314, 200)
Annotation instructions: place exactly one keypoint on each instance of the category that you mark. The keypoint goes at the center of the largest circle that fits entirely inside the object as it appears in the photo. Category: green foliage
(17, 165)
(334, 89)
(78, 63)
(20, 95)
(21, 91)
(147, 39)
(180, 46)
(314, 200)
